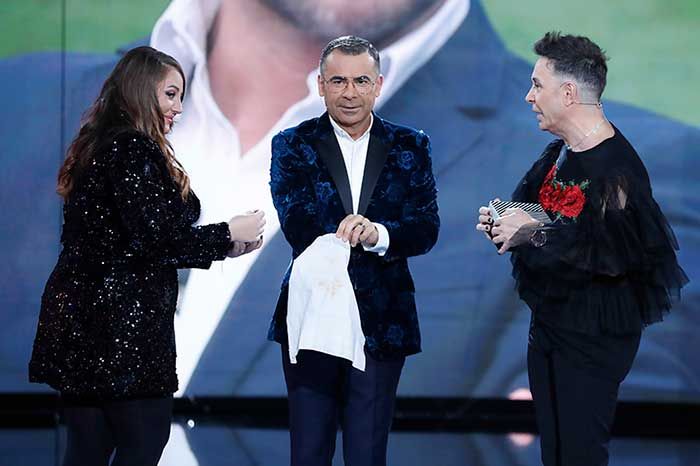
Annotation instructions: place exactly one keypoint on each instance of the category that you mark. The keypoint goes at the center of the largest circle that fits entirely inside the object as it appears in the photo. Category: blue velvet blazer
(311, 193)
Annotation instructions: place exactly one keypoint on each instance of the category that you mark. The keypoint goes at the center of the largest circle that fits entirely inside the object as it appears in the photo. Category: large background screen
(457, 69)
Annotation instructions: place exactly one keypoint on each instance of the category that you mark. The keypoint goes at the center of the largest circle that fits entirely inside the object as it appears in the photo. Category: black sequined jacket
(106, 324)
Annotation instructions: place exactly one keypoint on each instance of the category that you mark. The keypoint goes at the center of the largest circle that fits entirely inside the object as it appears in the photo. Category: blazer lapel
(376, 158)
(327, 147)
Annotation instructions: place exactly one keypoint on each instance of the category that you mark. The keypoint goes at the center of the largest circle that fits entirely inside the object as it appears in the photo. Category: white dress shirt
(355, 155)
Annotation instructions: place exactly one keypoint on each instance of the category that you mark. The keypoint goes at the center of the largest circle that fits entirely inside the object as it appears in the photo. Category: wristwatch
(538, 238)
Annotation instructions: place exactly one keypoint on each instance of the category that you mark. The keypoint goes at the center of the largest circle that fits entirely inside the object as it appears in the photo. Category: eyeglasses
(363, 84)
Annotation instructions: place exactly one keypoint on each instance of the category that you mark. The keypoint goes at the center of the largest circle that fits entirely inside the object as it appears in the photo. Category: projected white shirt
(228, 181)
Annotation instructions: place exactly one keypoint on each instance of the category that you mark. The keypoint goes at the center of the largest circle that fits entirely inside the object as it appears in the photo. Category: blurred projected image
(251, 68)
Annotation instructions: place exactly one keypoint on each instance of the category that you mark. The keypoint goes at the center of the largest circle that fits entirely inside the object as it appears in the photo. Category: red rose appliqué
(564, 199)
(572, 201)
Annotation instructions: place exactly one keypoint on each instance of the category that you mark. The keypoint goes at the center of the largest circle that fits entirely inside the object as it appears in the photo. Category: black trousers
(574, 380)
(135, 431)
(325, 391)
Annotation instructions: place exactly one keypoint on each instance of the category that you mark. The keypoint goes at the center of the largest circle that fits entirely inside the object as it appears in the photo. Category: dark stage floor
(217, 444)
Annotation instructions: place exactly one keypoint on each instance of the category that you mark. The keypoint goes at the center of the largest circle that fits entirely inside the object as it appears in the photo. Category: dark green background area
(654, 45)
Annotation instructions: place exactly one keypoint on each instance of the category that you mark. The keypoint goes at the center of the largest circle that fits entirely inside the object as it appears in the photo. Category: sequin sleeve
(152, 213)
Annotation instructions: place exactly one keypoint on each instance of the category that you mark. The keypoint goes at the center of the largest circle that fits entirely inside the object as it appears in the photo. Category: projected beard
(374, 20)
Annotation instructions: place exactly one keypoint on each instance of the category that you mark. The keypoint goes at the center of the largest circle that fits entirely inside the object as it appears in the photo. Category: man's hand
(486, 221)
(512, 229)
(358, 229)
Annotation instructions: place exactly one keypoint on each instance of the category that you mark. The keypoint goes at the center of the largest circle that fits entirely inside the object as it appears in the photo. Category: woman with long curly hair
(105, 338)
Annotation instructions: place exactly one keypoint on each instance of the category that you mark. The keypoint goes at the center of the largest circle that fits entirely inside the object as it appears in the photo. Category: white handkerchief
(322, 313)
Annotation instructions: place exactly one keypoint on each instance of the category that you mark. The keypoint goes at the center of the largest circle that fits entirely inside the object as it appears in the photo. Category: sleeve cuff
(383, 241)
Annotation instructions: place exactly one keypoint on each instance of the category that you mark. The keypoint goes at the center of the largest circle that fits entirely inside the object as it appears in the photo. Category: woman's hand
(238, 248)
(247, 228)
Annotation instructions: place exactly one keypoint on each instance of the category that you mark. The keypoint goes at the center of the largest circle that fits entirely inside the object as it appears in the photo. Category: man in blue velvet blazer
(312, 195)
(317, 170)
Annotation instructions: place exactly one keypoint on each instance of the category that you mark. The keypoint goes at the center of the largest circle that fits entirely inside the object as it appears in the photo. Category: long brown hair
(128, 101)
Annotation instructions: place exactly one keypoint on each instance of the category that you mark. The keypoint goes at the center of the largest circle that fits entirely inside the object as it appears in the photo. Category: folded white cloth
(322, 312)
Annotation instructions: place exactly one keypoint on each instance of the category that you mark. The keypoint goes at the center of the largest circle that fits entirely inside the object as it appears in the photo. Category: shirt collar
(341, 133)
(182, 31)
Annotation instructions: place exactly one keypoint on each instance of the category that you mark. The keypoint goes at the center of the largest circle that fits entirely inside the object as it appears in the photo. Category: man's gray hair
(350, 45)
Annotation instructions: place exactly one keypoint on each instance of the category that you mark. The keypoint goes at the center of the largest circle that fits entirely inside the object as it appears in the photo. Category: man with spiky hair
(603, 270)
